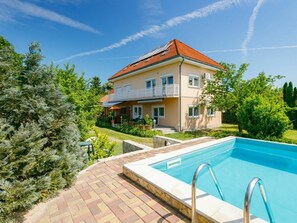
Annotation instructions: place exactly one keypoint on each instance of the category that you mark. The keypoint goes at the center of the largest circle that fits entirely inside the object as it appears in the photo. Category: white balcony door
(166, 81)
(127, 90)
(137, 111)
(151, 87)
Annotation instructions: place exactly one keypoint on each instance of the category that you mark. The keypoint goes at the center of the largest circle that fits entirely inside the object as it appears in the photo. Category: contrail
(251, 49)
(250, 31)
(199, 13)
(36, 11)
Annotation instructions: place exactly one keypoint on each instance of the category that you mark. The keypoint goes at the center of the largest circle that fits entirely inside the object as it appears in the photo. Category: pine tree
(285, 92)
(96, 87)
(290, 95)
(39, 140)
(295, 97)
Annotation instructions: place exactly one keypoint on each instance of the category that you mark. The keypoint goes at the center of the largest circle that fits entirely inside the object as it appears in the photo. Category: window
(211, 112)
(193, 111)
(137, 112)
(127, 89)
(150, 83)
(167, 80)
(158, 112)
(194, 81)
(118, 90)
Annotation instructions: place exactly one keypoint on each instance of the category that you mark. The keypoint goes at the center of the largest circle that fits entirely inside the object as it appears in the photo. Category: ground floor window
(211, 112)
(159, 111)
(193, 111)
(137, 112)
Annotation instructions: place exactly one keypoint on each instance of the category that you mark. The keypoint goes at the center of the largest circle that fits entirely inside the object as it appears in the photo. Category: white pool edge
(208, 206)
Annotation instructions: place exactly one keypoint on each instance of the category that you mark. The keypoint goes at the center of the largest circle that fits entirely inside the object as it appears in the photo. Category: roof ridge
(197, 51)
(177, 51)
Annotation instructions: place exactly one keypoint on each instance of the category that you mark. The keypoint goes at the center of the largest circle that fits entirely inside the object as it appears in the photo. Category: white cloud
(251, 25)
(251, 49)
(199, 13)
(36, 11)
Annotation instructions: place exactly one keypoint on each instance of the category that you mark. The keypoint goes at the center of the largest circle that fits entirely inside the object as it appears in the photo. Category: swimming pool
(235, 162)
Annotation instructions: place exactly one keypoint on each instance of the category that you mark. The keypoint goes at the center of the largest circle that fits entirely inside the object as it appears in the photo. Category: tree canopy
(39, 138)
(230, 92)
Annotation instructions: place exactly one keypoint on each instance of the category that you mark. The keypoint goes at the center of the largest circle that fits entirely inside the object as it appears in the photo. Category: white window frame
(118, 90)
(166, 76)
(192, 107)
(150, 80)
(211, 114)
(194, 76)
(138, 116)
(158, 106)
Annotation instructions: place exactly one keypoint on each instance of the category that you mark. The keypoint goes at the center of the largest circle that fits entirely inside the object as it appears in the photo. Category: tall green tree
(229, 90)
(39, 140)
(224, 92)
(95, 86)
(77, 90)
(295, 97)
(290, 95)
(285, 92)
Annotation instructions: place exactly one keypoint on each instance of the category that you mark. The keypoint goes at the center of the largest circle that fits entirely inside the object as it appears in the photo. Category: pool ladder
(247, 199)
(198, 170)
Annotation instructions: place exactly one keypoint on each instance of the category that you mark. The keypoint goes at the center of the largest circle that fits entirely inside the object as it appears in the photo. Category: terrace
(103, 194)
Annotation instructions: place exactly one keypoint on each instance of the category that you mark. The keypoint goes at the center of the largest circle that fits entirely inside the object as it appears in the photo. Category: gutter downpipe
(179, 106)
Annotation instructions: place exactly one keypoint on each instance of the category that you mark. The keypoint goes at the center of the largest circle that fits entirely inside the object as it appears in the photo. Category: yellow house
(166, 84)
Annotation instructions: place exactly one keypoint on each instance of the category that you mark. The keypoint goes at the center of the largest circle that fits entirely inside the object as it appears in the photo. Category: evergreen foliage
(39, 140)
(290, 97)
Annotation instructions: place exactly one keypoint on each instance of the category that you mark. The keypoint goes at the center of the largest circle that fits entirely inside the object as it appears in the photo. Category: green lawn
(227, 130)
(118, 138)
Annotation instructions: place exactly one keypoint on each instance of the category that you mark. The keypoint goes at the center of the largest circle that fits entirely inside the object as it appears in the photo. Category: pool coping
(178, 193)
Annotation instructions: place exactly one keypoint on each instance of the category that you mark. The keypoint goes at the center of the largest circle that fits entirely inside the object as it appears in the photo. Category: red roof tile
(175, 49)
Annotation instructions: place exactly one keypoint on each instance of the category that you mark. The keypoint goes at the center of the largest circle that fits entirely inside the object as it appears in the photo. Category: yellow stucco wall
(189, 96)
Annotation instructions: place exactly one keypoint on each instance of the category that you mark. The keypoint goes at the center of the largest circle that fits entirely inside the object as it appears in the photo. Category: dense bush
(39, 140)
(138, 130)
(103, 147)
(264, 116)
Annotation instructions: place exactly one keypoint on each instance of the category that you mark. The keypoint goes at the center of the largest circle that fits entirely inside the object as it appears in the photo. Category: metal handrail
(248, 197)
(198, 170)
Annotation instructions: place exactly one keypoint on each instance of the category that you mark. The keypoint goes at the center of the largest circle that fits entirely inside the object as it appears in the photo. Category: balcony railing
(171, 90)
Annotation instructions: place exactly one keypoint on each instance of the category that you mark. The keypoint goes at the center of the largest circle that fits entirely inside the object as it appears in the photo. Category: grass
(291, 134)
(224, 131)
(229, 130)
(118, 138)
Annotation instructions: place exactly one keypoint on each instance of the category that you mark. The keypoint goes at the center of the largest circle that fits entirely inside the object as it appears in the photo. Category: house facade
(166, 84)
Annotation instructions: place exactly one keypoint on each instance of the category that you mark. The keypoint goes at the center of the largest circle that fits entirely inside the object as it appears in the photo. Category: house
(166, 84)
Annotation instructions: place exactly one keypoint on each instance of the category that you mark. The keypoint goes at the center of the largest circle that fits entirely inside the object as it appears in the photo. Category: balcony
(171, 90)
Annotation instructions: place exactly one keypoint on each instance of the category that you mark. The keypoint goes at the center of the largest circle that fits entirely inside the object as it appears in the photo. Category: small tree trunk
(239, 127)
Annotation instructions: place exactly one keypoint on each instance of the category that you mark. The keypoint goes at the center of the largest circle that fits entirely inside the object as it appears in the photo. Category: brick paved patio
(103, 194)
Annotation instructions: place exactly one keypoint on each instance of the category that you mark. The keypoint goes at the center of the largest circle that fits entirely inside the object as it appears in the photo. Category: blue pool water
(235, 163)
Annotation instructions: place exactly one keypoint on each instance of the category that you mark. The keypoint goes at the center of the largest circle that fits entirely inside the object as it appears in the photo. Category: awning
(110, 104)
(150, 100)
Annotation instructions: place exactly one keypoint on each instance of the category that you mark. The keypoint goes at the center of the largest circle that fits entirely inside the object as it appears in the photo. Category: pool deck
(102, 194)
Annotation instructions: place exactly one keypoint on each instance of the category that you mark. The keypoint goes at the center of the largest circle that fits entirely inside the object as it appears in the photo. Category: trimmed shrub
(264, 116)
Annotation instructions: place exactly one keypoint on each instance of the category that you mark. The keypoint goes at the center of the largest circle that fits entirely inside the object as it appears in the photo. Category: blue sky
(102, 36)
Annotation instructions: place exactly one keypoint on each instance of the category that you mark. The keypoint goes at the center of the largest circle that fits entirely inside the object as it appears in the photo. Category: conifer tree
(39, 140)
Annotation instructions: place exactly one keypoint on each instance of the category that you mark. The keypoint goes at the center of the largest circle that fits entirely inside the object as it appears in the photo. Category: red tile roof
(175, 49)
